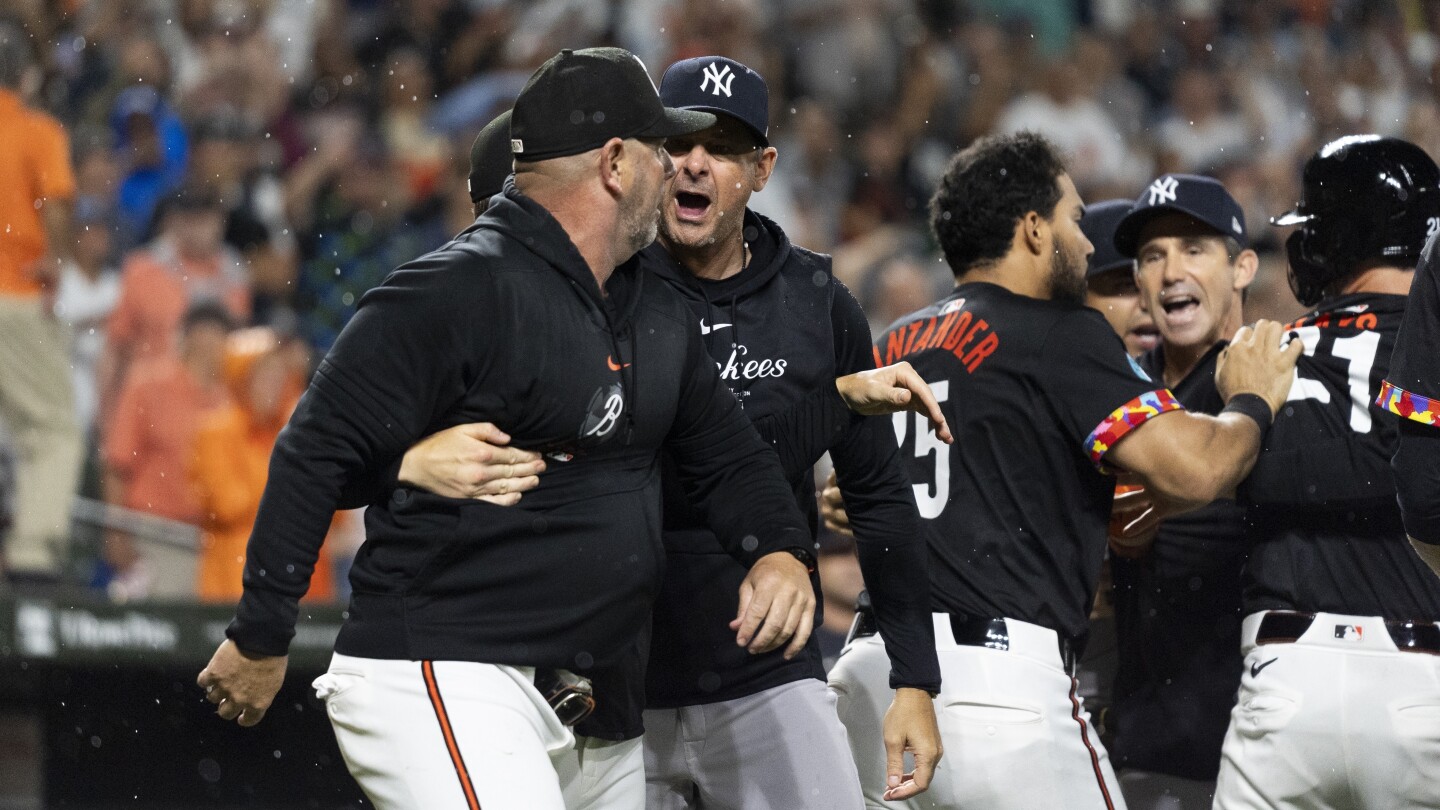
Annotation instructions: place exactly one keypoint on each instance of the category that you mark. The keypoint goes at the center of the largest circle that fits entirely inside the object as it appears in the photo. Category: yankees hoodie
(506, 324)
(779, 333)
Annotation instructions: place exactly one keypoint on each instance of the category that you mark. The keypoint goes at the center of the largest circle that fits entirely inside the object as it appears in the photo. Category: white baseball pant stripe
(459, 735)
(1015, 733)
(1338, 719)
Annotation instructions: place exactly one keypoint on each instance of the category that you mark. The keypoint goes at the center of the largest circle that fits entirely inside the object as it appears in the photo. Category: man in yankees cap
(781, 329)
(1177, 585)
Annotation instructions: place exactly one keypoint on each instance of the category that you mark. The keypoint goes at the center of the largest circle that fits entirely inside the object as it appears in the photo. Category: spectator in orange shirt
(187, 263)
(148, 444)
(36, 394)
(231, 460)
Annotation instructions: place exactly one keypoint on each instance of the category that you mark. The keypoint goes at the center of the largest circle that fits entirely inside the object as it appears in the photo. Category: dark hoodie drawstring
(734, 323)
(629, 377)
(629, 382)
(632, 396)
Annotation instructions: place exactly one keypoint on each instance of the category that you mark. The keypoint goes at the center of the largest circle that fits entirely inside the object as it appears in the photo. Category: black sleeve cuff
(264, 622)
(773, 541)
(902, 612)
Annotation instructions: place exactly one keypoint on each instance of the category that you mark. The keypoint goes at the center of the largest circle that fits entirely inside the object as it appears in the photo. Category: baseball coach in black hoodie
(523, 321)
(793, 346)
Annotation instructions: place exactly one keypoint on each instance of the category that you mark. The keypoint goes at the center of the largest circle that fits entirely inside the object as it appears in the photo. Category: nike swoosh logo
(614, 366)
(1255, 668)
(706, 329)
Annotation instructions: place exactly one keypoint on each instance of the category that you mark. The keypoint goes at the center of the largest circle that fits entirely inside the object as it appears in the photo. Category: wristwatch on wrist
(805, 557)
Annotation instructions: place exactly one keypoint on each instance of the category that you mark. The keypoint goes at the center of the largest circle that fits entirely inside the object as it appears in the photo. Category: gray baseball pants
(783, 747)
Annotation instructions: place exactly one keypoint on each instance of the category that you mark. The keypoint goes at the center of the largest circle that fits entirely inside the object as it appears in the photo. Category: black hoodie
(780, 332)
(506, 324)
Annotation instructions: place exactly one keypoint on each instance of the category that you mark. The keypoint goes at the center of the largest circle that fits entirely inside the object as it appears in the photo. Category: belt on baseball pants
(1287, 626)
(969, 631)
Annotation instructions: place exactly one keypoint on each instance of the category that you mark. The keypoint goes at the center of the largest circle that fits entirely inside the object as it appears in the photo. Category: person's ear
(1246, 265)
(764, 166)
(1035, 233)
(613, 167)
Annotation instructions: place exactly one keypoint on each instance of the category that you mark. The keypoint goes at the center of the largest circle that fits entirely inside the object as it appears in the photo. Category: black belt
(1287, 626)
(969, 631)
(863, 626)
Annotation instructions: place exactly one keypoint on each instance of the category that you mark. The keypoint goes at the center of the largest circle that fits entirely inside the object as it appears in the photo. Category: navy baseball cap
(1098, 224)
(578, 100)
(490, 159)
(716, 84)
(1200, 197)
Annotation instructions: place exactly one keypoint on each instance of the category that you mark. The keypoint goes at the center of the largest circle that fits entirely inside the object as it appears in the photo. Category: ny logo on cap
(1163, 190)
(721, 76)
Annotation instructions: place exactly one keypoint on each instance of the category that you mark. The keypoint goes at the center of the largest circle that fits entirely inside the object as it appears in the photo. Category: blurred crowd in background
(246, 169)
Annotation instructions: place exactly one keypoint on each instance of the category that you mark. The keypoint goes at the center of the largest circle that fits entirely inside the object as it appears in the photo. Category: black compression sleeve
(801, 433)
(894, 558)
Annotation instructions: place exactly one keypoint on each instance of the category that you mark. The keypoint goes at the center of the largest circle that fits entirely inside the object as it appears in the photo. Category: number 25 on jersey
(930, 498)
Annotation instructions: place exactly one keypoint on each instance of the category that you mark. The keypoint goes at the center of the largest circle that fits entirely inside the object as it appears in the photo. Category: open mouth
(1181, 305)
(691, 206)
(1145, 337)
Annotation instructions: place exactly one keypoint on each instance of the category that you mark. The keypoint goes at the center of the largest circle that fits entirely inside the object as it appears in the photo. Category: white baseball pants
(1015, 733)
(1338, 719)
(458, 735)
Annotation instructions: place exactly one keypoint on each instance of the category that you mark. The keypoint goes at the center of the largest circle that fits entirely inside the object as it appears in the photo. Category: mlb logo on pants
(1349, 632)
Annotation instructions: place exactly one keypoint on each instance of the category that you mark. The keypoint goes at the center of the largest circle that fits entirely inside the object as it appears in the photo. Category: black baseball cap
(490, 159)
(716, 84)
(1098, 224)
(1200, 197)
(578, 100)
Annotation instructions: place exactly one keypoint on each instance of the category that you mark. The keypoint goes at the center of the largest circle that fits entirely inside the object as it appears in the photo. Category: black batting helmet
(1363, 197)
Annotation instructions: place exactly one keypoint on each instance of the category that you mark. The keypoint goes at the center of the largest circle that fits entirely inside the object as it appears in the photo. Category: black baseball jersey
(1036, 392)
(1412, 391)
(1412, 388)
(1177, 623)
(1324, 525)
